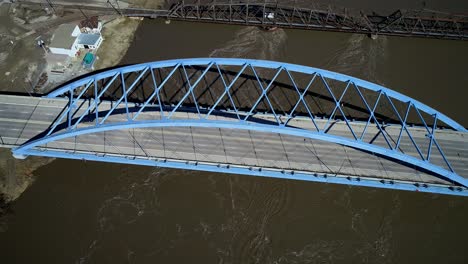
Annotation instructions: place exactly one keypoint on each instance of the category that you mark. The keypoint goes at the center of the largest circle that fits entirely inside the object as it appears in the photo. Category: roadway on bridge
(22, 118)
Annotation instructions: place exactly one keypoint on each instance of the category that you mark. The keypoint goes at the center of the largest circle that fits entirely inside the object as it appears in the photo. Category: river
(88, 212)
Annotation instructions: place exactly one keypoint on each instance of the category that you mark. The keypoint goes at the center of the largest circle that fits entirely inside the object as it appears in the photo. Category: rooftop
(88, 39)
(62, 37)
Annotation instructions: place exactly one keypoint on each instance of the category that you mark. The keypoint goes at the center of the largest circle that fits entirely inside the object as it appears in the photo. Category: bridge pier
(373, 36)
(19, 156)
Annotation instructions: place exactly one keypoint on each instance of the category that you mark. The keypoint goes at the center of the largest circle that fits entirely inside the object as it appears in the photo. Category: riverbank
(16, 175)
(27, 68)
(147, 3)
(118, 35)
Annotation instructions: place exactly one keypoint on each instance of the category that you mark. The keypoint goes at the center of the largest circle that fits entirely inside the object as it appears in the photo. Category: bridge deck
(22, 118)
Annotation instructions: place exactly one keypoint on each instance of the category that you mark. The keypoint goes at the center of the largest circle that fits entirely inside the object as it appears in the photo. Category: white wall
(76, 32)
(70, 52)
(98, 43)
(62, 51)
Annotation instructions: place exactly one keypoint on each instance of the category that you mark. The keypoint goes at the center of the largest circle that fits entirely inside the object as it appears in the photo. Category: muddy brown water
(89, 212)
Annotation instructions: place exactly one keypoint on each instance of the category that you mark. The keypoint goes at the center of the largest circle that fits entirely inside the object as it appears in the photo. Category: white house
(65, 40)
(69, 38)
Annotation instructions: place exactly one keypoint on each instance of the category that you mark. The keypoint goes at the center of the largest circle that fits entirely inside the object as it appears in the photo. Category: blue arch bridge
(251, 117)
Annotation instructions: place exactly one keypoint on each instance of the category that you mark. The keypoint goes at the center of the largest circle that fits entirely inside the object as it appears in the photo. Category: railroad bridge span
(272, 14)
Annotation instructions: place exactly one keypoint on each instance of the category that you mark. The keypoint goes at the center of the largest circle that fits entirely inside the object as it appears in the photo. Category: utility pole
(83, 13)
(116, 9)
(51, 5)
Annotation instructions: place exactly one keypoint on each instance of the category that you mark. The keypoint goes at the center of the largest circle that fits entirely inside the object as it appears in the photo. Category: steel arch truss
(251, 95)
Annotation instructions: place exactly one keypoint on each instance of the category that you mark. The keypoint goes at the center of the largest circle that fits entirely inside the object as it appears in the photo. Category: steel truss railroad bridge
(420, 23)
(266, 13)
(241, 116)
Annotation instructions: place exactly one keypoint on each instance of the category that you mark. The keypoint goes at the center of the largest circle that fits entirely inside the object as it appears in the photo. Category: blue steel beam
(226, 91)
(431, 136)
(404, 127)
(156, 92)
(301, 99)
(356, 141)
(403, 124)
(263, 94)
(124, 96)
(191, 88)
